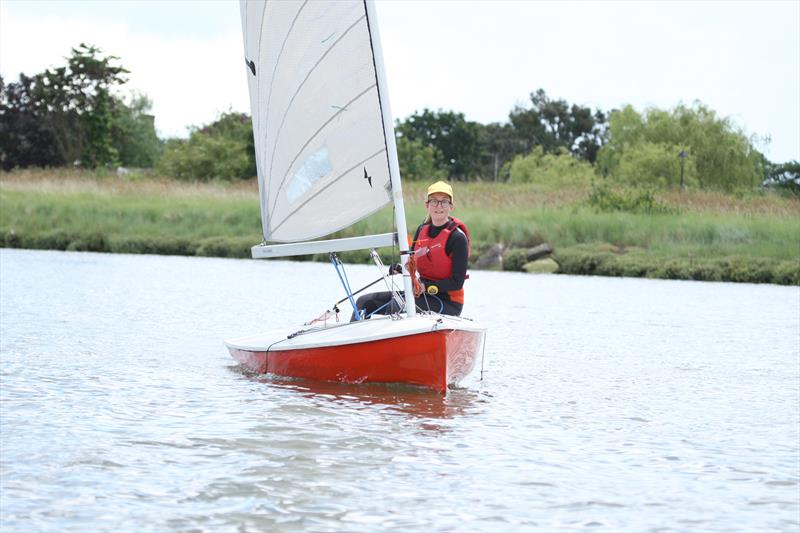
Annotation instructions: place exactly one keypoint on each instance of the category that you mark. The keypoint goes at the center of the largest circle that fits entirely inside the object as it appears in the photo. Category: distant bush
(551, 169)
(222, 150)
(49, 240)
(154, 245)
(477, 249)
(638, 265)
(10, 239)
(654, 165)
(784, 177)
(225, 247)
(605, 199)
(90, 242)
(418, 161)
(515, 259)
(134, 135)
(204, 157)
(644, 148)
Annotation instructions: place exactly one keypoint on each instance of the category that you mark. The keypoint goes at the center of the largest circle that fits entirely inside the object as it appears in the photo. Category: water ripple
(613, 408)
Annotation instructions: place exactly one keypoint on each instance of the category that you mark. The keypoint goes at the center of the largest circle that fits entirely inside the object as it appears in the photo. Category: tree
(238, 127)
(720, 155)
(454, 139)
(26, 138)
(655, 165)
(221, 150)
(551, 170)
(555, 125)
(783, 176)
(499, 144)
(419, 162)
(67, 114)
(99, 149)
(83, 88)
(133, 133)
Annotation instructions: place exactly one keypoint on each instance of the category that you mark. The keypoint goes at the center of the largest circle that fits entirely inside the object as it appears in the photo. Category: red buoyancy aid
(435, 264)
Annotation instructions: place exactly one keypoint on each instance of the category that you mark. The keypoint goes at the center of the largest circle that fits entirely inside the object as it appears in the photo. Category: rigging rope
(396, 295)
(343, 278)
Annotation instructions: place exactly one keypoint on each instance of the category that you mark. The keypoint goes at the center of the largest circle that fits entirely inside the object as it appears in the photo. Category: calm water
(606, 405)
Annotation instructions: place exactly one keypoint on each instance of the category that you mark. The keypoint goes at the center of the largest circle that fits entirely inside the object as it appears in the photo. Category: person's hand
(395, 269)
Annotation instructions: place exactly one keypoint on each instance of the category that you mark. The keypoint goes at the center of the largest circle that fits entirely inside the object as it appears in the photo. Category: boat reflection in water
(401, 398)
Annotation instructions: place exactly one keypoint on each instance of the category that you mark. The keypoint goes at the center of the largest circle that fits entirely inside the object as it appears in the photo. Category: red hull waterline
(433, 359)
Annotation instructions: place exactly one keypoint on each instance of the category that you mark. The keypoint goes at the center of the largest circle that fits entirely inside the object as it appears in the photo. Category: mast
(391, 151)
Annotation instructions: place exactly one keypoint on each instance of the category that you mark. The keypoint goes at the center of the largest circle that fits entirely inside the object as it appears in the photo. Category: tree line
(72, 115)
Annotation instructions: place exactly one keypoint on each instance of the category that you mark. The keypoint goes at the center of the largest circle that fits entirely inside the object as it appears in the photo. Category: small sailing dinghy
(326, 158)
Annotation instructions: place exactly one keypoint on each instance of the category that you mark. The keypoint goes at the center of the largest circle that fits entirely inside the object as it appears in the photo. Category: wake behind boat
(326, 158)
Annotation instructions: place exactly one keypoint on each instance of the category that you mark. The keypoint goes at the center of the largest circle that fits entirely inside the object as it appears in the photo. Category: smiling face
(439, 206)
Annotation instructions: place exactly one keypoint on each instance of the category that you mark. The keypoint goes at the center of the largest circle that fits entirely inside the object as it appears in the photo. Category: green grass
(703, 235)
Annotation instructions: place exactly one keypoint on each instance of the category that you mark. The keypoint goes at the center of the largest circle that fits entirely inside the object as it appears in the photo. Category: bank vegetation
(676, 193)
(701, 235)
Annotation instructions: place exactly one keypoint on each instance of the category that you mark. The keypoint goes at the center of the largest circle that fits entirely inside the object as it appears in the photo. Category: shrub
(205, 157)
(584, 261)
(784, 177)
(641, 146)
(11, 239)
(551, 170)
(418, 161)
(50, 240)
(477, 249)
(605, 199)
(224, 247)
(134, 134)
(654, 165)
(515, 259)
(90, 242)
(786, 273)
(154, 245)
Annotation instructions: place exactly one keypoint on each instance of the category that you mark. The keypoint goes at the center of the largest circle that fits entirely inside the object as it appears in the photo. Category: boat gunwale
(441, 323)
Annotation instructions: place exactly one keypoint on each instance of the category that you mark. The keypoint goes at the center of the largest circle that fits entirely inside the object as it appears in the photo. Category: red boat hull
(433, 359)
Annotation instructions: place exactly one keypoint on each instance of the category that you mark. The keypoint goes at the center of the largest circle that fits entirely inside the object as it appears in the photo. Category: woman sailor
(441, 249)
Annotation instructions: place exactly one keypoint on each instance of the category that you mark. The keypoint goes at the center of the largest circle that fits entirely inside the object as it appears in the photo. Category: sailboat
(326, 158)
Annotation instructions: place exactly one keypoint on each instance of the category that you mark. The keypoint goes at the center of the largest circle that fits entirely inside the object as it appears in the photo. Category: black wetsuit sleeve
(456, 248)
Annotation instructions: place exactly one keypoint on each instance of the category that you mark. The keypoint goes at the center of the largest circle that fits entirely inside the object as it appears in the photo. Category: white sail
(317, 120)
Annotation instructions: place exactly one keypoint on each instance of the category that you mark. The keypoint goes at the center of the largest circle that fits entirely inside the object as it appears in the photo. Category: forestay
(319, 138)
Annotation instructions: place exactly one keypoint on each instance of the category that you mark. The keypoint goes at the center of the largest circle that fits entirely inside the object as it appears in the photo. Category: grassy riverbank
(697, 235)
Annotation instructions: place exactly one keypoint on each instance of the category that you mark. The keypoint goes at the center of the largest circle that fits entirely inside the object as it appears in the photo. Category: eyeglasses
(437, 203)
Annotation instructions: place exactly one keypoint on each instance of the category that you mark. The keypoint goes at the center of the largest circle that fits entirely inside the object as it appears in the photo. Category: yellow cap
(441, 186)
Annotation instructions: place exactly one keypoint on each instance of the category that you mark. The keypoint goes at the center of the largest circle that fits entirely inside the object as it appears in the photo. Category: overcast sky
(742, 59)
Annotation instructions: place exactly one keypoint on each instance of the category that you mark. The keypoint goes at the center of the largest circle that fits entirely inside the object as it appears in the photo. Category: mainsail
(318, 123)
